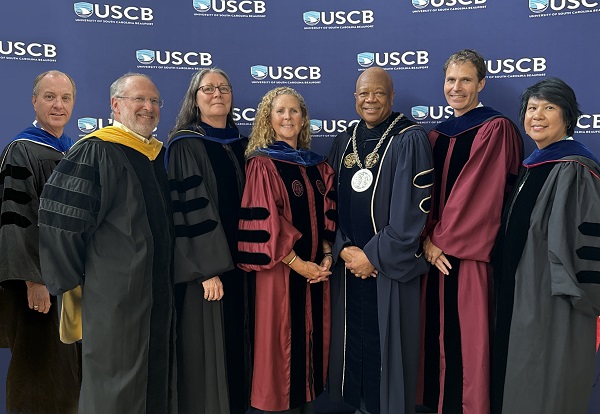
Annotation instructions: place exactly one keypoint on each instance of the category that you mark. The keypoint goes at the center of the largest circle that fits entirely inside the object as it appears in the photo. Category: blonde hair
(263, 134)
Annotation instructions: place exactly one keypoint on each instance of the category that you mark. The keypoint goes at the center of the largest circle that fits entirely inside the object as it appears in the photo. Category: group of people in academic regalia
(217, 273)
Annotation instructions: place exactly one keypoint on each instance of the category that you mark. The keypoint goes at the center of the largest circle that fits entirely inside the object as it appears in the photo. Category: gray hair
(116, 88)
(189, 112)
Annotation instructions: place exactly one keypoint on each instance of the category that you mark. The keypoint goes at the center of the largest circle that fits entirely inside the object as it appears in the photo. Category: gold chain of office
(371, 159)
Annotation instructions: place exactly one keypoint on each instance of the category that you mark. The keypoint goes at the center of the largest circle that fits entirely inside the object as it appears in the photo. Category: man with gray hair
(106, 225)
(43, 374)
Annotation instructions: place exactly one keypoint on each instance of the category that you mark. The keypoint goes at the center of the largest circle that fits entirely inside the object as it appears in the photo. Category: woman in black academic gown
(205, 157)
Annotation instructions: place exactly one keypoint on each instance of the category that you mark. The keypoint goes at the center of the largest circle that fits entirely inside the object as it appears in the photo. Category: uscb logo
(246, 8)
(177, 59)
(430, 114)
(330, 127)
(410, 59)
(365, 59)
(316, 125)
(83, 10)
(259, 72)
(87, 125)
(244, 116)
(419, 112)
(538, 6)
(420, 4)
(145, 56)
(278, 74)
(589, 124)
(124, 14)
(16, 50)
(516, 67)
(448, 5)
(339, 18)
(202, 6)
(311, 18)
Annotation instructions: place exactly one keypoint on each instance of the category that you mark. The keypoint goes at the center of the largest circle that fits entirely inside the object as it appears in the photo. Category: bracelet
(292, 261)
(328, 254)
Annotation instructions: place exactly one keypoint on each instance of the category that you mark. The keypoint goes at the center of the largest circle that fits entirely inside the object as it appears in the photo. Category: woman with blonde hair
(285, 233)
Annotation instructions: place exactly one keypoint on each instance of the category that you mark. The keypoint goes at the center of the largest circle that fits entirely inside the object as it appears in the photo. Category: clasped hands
(314, 273)
(436, 256)
(357, 262)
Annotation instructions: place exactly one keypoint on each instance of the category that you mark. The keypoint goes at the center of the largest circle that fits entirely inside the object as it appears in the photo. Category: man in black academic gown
(106, 225)
(384, 176)
(43, 375)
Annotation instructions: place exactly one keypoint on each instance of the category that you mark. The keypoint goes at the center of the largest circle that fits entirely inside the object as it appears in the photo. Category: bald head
(374, 96)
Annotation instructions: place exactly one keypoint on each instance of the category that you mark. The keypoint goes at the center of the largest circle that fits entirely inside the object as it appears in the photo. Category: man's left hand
(359, 264)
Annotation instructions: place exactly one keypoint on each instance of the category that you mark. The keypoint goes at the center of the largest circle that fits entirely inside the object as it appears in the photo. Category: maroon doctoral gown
(476, 157)
(284, 207)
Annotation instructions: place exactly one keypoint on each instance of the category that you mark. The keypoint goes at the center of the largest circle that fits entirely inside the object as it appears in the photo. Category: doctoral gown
(206, 175)
(547, 280)
(476, 158)
(288, 204)
(106, 224)
(375, 322)
(43, 374)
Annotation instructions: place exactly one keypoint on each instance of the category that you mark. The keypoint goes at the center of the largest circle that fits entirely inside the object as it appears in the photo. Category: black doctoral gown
(106, 224)
(206, 174)
(36, 350)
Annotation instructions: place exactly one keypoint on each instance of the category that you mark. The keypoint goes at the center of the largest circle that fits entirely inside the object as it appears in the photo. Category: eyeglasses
(141, 100)
(210, 89)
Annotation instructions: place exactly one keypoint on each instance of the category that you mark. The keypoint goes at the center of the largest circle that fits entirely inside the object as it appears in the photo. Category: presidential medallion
(362, 180)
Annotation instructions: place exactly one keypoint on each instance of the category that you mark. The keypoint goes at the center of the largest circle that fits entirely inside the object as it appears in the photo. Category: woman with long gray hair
(205, 156)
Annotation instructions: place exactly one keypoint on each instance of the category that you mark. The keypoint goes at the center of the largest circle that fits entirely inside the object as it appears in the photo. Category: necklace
(363, 178)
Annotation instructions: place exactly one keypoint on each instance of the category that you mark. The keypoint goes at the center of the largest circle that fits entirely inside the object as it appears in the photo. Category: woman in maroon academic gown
(286, 230)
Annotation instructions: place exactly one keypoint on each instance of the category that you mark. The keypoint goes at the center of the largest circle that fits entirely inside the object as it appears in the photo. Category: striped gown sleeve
(69, 207)
(19, 202)
(201, 249)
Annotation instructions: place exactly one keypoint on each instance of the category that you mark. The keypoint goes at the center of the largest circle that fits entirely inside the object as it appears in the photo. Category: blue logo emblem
(87, 125)
(538, 6)
(420, 4)
(311, 17)
(365, 59)
(145, 56)
(83, 9)
(419, 112)
(315, 126)
(202, 6)
(259, 72)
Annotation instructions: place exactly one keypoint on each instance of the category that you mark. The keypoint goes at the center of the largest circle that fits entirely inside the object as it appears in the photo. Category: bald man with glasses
(106, 225)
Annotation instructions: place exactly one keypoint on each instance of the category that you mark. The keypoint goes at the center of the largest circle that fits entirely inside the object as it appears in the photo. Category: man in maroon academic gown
(477, 153)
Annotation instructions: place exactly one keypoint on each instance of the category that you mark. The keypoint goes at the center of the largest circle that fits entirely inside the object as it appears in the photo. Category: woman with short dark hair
(547, 267)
